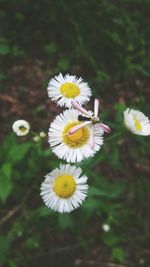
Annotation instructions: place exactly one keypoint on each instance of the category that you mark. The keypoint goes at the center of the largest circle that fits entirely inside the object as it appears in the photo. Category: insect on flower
(88, 119)
(76, 146)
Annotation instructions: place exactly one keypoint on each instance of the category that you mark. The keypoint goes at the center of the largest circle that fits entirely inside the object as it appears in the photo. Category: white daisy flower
(64, 189)
(21, 127)
(64, 89)
(76, 146)
(136, 122)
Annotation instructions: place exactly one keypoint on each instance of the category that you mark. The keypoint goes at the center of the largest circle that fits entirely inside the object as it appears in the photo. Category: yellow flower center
(138, 125)
(64, 186)
(77, 139)
(22, 129)
(70, 90)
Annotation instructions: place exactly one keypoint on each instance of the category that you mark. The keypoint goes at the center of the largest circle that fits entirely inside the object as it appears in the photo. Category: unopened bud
(42, 134)
(36, 139)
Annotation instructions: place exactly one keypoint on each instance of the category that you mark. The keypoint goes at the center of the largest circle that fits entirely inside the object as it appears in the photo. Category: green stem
(116, 135)
(34, 133)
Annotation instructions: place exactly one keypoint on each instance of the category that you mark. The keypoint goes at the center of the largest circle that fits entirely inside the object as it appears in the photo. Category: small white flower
(64, 189)
(64, 89)
(136, 122)
(21, 127)
(76, 146)
(106, 227)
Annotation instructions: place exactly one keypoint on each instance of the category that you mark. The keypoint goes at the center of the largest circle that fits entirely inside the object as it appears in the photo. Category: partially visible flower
(136, 122)
(21, 127)
(42, 134)
(64, 189)
(76, 146)
(106, 227)
(64, 89)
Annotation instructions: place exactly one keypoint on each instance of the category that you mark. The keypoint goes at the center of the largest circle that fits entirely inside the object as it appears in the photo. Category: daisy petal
(92, 137)
(96, 107)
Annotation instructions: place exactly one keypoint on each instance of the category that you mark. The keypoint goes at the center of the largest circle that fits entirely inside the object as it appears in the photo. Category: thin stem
(34, 133)
(114, 136)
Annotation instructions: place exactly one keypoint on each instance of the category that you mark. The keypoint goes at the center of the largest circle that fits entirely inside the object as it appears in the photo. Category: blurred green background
(107, 43)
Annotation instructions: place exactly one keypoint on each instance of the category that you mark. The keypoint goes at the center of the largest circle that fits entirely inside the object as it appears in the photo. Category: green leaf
(4, 246)
(118, 254)
(110, 239)
(91, 206)
(51, 48)
(44, 211)
(63, 64)
(12, 264)
(106, 189)
(17, 229)
(65, 221)
(16, 51)
(5, 181)
(9, 142)
(4, 49)
(114, 158)
(32, 242)
(94, 191)
(18, 152)
(120, 108)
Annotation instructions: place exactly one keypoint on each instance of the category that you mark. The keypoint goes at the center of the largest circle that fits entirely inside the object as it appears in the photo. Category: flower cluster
(74, 135)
